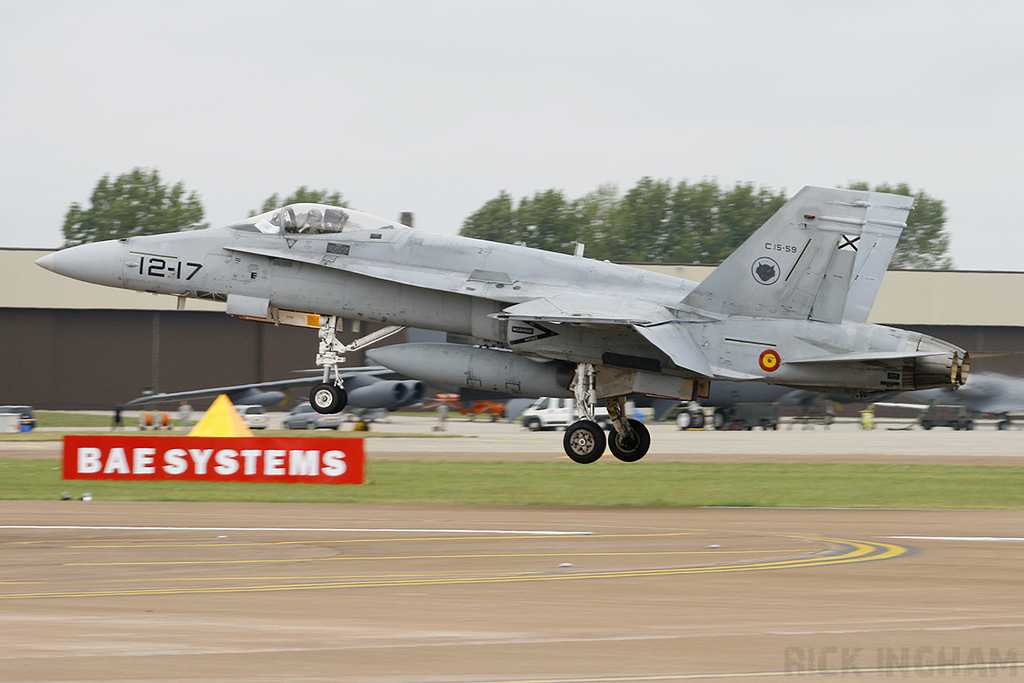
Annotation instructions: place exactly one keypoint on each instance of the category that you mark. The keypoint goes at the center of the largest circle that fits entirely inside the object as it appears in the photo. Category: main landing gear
(585, 441)
(330, 396)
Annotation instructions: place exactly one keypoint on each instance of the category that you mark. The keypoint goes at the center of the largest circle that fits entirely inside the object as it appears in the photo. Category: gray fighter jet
(369, 389)
(788, 307)
(989, 393)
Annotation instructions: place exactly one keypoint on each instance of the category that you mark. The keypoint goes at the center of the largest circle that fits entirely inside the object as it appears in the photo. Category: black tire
(327, 398)
(718, 420)
(633, 449)
(533, 424)
(584, 442)
(926, 425)
(698, 420)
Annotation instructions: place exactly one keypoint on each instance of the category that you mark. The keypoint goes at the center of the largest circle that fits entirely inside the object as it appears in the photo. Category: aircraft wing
(909, 406)
(655, 323)
(240, 393)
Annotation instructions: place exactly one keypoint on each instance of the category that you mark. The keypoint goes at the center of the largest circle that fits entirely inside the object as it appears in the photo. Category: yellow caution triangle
(221, 420)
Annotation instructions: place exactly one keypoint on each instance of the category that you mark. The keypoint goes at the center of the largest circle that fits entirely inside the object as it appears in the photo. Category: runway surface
(215, 592)
(106, 591)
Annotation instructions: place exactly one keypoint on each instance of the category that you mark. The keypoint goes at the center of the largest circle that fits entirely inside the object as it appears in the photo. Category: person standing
(184, 414)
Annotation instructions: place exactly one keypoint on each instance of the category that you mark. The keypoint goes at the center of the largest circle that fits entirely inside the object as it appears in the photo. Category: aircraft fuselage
(400, 276)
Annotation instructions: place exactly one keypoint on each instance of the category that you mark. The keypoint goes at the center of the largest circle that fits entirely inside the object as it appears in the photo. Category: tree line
(140, 203)
(655, 221)
(658, 222)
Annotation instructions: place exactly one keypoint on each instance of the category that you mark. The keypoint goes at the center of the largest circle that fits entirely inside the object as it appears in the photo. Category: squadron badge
(765, 270)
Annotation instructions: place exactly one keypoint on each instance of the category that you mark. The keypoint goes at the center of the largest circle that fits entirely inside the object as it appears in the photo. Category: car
(303, 416)
(28, 417)
(254, 417)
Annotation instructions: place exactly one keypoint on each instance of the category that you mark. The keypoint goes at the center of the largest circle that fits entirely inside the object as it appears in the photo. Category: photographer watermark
(918, 661)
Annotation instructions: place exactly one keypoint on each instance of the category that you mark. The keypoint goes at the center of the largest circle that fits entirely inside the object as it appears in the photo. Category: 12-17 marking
(166, 266)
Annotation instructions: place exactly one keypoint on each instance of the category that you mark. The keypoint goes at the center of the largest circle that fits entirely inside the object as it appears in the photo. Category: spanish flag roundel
(769, 360)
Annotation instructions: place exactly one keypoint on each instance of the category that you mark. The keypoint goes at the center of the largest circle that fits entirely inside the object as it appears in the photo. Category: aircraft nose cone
(98, 262)
(48, 262)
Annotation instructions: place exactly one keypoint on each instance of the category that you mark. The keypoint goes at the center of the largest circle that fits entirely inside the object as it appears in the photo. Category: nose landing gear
(330, 396)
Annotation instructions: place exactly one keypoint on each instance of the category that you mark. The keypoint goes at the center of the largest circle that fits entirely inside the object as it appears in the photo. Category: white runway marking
(246, 528)
(996, 539)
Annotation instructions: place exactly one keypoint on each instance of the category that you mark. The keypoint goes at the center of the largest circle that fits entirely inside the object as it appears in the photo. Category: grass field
(608, 483)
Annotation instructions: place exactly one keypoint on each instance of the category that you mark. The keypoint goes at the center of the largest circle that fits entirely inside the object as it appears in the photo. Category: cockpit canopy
(312, 219)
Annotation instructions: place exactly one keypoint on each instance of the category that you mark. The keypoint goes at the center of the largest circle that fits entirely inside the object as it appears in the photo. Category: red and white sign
(211, 458)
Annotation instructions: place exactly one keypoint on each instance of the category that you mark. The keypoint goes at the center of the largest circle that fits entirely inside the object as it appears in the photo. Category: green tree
(694, 222)
(643, 232)
(548, 221)
(134, 203)
(924, 243)
(494, 221)
(688, 223)
(597, 221)
(739, 212)
(301, 195)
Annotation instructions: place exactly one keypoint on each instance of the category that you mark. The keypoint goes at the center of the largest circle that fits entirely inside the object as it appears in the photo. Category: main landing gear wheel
(328, 398)
(584, 442)
(632, 447)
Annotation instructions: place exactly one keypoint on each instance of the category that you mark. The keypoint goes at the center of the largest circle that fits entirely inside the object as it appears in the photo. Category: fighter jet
(989, 393)
(369, 389)
(778, 310)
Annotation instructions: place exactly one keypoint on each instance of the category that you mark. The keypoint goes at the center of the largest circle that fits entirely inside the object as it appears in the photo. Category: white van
(550, 413)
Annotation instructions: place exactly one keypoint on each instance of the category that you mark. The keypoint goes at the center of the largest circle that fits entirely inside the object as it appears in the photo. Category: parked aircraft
(781, 309)
(367, 390)
(989, 393)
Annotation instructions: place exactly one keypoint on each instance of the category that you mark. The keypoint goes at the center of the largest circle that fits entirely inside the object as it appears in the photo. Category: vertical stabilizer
(820, 257)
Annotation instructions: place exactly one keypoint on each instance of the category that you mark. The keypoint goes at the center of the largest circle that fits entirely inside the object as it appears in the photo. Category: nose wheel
(328, 398)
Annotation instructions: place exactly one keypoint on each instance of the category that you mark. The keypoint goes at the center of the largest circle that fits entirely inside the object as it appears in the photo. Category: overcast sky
(436, 106)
